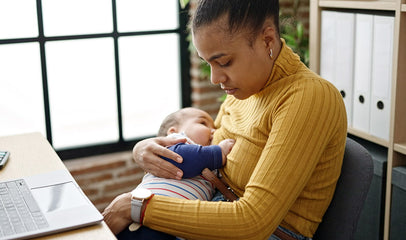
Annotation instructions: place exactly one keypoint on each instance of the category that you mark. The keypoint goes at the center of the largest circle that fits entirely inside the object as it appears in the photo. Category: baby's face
(197, 125)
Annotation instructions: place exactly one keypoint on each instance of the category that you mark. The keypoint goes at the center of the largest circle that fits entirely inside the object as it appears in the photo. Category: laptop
(43, 204)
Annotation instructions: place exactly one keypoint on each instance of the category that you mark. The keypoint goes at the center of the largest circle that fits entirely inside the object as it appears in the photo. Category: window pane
(141, 15)
(18, 19)
(150, 82)
(71, 17)
(21, 104)
(82, 92)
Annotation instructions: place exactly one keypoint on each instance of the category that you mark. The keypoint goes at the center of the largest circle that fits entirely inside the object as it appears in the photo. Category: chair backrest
(341, 218)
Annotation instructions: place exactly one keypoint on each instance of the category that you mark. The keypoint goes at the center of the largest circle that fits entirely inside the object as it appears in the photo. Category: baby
(197, 127)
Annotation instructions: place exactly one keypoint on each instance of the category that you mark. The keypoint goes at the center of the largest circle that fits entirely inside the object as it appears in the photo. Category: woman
(288, 123)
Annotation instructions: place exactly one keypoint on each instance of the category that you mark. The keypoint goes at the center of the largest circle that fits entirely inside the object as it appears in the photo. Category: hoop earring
(271, 53)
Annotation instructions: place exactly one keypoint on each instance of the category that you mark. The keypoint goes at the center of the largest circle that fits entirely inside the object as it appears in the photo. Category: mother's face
(240, 69)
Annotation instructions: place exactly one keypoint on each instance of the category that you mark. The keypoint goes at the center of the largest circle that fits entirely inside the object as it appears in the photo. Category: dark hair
(170, 121)
(242, 14)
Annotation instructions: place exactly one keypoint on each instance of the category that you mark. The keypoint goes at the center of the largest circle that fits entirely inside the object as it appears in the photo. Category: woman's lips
(230, 91)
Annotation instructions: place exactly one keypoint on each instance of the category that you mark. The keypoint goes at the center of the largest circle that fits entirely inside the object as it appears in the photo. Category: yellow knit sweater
(290, 140)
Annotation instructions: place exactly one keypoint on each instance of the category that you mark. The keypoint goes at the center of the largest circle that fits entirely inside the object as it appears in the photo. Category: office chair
(341, 218)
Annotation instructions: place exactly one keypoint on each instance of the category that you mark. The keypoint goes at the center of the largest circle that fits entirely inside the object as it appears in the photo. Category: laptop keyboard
(19, 211)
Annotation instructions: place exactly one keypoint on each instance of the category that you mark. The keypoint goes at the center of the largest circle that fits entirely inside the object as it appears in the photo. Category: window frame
(121, 144)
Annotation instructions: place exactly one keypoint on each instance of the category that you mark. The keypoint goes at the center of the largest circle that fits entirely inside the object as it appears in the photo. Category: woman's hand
(118, 214)
(147, 154)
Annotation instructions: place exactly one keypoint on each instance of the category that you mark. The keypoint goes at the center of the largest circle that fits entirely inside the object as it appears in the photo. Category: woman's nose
(217, 76)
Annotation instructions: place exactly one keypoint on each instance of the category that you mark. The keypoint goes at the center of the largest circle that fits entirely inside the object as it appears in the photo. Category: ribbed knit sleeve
(290, 140)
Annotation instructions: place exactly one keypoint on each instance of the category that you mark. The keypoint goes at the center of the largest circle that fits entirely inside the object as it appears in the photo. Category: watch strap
(136, 206)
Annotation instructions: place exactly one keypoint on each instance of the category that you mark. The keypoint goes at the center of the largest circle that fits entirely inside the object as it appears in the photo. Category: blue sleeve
(196, 158)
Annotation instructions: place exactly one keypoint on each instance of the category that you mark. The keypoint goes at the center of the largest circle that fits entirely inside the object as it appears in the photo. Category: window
(93, 76)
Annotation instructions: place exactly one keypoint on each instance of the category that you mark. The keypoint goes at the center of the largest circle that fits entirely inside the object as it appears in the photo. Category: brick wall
(106, 176)
(302, 10)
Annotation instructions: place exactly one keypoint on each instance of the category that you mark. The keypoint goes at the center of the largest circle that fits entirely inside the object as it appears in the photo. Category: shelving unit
(396, 145)
(362, 4)
(368, 137)
(400, 147)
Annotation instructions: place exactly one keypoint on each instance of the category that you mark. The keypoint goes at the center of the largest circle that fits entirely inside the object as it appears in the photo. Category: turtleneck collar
(287, 63)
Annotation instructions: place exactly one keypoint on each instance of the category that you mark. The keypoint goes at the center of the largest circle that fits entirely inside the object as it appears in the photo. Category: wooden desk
(31, 154)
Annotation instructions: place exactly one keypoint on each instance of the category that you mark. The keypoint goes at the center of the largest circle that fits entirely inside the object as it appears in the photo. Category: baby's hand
(226, 146)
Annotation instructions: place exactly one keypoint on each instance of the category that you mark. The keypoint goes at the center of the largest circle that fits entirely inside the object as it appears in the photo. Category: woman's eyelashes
(225, 64)
(220, 64)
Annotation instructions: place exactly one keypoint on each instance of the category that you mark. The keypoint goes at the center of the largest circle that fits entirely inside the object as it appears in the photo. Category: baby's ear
(172, 130)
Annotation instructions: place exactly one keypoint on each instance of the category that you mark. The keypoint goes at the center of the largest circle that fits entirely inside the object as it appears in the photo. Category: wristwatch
(138, 196)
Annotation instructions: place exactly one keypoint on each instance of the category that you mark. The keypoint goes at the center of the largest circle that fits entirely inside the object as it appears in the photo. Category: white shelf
(369, 5)
(368, 137)
(400, 148)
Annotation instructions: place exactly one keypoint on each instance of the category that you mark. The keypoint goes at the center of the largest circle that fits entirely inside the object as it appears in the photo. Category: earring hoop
(271, 53)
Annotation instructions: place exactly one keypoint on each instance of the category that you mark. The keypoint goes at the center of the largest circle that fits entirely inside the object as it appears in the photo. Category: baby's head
(195, 123)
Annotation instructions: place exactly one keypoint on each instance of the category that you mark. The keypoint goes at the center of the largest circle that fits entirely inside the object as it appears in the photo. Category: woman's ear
(172, 130)
(269, 36)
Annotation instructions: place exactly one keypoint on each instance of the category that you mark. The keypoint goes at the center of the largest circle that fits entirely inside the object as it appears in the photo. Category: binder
(344, 59)
(362, 71)
(328, 45)
(337, 54)
(381, 76)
